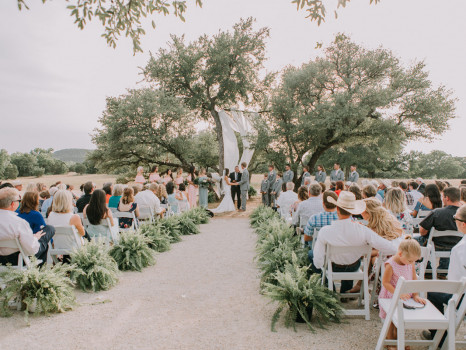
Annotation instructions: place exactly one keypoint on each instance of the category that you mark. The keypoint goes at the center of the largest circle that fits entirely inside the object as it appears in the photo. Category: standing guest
(108, 189)
(140, 176)
(235, 177)
(321, 175)
(309, 207)
(179, 177)
(12, 226)
(324, 218)
(395, 202)
(354, 175)
(88, 188)
(127, 205)
(276, 189)
(288, 175)
(409, 197)
(28, 211)
(154, 176)
(95, 212)
(192, 188)
(272, 177)
(114, 200)
(305, 174)
(167, 177)
(345, 232)
(172, 198)
(442, 219)
(339, 186)
(432, 200)
(203, 189)
(264, 190)
(414, 192)
(162, 193)
(369, 191)
(62, 212)
(48, 202)
(337, 174)
(183, 204)
(421, 185)
(149, 198)
(286, 199)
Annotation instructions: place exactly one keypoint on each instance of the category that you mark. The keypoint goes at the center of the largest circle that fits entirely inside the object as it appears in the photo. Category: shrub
(158, 241)
(212, 197)
(252, 192)
(42, 290)
(132, 252)
(261, 214)
(187, 225)
(171, 227)
(198, 215)
(93, 268)
(301, 295)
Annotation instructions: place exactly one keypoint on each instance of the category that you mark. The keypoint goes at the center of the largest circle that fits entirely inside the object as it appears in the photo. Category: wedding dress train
(227, 203)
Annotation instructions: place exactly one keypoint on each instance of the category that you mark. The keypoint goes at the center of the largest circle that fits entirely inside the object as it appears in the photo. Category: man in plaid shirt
(322, 219)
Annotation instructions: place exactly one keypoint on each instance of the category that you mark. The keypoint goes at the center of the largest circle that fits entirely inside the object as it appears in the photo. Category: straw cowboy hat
(347, 201)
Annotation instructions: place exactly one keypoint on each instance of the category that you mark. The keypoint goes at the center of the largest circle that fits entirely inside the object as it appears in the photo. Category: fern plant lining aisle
(201, 294)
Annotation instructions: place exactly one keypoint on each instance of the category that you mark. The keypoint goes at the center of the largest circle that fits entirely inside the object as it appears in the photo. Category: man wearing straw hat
(345, 232)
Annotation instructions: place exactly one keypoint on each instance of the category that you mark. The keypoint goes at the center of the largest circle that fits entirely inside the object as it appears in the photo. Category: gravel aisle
(203, 294)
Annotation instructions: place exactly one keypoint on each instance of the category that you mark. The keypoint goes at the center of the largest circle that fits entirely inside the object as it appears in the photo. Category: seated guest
(409, 197)
(333, 185)
(463, 194)
(48, 202)
(12, 226)
(421, 185)
(307, 181)
(317, 221)
(183, 203)
(442, 219)
(108, 189)
(395, 202)
(440, 185)
(44, 195)
(19, 186)
(148, 198)
(162, 194)
(28, 210)
(382, 189)
(287, 198)
(137, 188)
(62, 212)
(95, 212)
(456, 270)
(432, 200)
(369, 191)
(114, 200)
(31, 187)
(324, 187)
(339, 186)
(414, 192)
(127, 204)
(88, 188)
(172, 197)
(356, 190)
(303, 194)
(345, 232)
(309, 207)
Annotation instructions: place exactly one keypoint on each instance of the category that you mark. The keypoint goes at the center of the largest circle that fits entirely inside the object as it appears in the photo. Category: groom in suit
(244, 185)
(235, 177)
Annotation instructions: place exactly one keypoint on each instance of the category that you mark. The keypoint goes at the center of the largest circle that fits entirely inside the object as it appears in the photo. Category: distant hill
(76, 155)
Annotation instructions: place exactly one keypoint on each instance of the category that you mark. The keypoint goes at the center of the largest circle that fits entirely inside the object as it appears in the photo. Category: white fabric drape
(244, 127)
(230, 144)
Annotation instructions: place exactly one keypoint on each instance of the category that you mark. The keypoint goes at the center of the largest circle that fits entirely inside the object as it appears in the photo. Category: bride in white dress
(227, 203)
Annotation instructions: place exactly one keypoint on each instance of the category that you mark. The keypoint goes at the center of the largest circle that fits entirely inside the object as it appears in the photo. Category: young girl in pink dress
(400, 265)
(192, 188)
(154, 176)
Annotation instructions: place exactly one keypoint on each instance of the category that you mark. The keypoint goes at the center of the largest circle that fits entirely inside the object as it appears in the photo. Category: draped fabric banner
(244, 128)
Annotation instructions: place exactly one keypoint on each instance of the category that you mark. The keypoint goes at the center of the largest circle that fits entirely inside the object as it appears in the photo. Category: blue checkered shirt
(319, 220)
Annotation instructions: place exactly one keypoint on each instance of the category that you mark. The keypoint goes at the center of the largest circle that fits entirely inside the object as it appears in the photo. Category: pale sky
(54, 78)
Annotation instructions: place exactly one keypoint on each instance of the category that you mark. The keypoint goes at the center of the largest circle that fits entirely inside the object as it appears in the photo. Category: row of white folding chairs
(65, 241)
(437, 254)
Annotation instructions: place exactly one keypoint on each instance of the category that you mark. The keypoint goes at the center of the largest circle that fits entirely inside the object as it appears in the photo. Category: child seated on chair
(400, 265)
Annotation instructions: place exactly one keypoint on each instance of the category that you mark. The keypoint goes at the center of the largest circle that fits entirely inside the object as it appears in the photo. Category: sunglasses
(455, 218)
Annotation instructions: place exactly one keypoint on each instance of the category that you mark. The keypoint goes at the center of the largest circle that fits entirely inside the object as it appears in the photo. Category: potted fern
(171, 227)
(158, 241)
(132, 252)
(187, 225)
(198, 215)
(93, 268)
(41, 290)
(300, 296)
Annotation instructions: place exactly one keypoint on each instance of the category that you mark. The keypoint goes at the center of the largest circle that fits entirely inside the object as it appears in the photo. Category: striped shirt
(320, 220)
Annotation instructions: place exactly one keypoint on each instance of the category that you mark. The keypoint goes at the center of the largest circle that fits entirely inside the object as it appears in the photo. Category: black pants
(40, 255)
(236, 192)
(345, 285)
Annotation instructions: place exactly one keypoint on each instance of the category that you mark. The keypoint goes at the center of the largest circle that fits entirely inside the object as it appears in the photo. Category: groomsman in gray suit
(271, 180)
(288, 175)
(353, 176)
(276, 189)
(305, 174)
(337, 174)
(244, 185)
(264, 190)
(321, 175)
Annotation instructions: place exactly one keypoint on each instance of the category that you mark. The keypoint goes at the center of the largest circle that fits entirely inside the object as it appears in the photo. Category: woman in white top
(62, 212)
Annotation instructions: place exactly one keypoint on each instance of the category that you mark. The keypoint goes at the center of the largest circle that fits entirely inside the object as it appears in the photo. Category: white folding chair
(81, 215)
(421, 215)
(103, 231)
(459, 318)
(125, 214)
(361, 275)
(65, 240)
(113, 210)
(315, 236)
(146, 213)
(439, 254)
(427, 317)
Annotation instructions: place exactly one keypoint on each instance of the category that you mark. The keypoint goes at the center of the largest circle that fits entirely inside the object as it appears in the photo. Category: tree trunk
(219, 129)
(314, 158)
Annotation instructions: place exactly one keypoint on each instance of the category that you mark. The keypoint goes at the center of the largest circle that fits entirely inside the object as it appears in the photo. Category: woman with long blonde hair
(396, 203)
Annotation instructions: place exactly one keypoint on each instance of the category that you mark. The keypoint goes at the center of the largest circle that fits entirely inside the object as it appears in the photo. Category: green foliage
(260, 215)
(159, 241)
(198, 215)
(298, 292)
(93, 268)
(36, 163)
(187, 225)
(171, 227)
(43, 290)
(132, 252)
(252, 192)
(212, 197)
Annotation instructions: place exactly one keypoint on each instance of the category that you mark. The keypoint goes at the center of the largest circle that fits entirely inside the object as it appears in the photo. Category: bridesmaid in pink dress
(140, 176)
(192, 188)
(154, 176)
(167, 177)
(179, 177)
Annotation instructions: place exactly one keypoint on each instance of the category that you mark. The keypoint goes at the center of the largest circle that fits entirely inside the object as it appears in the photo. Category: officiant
(235, 177)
